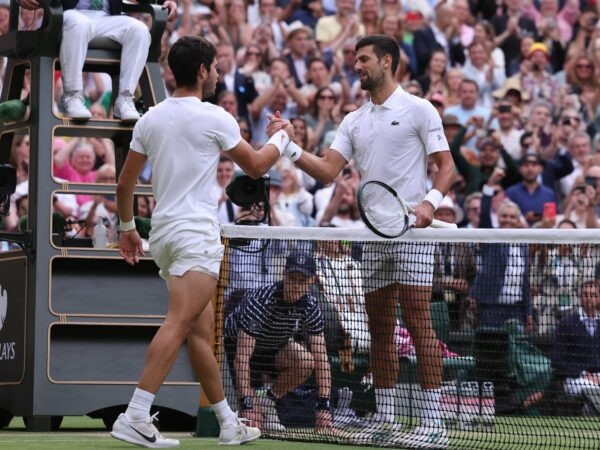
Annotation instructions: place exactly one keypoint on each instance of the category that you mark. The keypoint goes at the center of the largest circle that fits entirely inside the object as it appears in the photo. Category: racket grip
(435, 223)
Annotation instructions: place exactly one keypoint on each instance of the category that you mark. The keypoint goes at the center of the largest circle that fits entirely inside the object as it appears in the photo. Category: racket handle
(435, 223)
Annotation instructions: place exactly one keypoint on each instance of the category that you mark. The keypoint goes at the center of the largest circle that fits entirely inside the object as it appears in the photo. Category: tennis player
(390, 139)
(182, 137)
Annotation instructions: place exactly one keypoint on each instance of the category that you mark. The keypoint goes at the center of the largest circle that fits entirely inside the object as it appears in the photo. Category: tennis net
(510, 310)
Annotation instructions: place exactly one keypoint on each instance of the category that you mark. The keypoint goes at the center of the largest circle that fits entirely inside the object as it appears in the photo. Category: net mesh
(511, 313)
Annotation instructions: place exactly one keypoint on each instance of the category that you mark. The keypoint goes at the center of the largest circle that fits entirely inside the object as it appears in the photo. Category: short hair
(187, 55)
(382, 45)
(541, 103)
(507, 203)
(470, 81)
(473, 196)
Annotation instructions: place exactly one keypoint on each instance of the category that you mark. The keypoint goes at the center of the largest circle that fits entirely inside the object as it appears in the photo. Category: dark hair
(382, 45)
(187, 55)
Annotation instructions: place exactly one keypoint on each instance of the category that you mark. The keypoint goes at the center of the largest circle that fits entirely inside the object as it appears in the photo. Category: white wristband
(434, 197)
(127, 226)
(280, 140)
(293, 151)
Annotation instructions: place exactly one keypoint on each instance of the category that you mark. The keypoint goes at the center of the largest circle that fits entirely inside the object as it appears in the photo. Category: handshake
(281, 133)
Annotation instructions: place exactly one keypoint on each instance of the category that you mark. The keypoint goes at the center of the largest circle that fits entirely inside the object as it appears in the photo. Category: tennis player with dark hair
(182, 137)
(391, 138)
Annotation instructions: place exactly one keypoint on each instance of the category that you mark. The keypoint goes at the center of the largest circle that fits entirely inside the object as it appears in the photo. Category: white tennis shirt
(391, 142)
(182, 138)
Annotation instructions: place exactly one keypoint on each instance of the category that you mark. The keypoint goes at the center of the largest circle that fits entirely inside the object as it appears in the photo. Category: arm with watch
(243, 352)
(323, 419)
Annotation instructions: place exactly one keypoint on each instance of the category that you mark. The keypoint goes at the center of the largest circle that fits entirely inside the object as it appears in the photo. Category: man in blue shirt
(530, 194)
(260, 339)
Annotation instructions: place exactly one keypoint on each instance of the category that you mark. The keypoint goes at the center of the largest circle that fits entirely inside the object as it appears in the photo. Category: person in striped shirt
(261, 338)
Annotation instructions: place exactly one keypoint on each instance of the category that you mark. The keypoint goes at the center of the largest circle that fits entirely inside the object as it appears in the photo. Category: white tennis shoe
(238, 433)
(378, 431)
(142, 433)
(429, 436)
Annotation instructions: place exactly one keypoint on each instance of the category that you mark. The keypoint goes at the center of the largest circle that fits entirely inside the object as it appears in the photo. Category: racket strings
(383, 210)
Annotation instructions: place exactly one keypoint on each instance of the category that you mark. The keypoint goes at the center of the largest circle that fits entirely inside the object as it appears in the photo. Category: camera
(245, 191)
(504, 108)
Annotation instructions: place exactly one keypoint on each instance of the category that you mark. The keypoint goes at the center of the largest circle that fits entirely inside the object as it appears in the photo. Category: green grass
(519, 433)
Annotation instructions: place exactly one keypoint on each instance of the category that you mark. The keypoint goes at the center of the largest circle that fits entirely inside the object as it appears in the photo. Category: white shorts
(385, 263)
(180, 251)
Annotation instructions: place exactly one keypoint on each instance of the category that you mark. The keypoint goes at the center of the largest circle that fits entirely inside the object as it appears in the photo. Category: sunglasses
(326, 97)
(584, 66)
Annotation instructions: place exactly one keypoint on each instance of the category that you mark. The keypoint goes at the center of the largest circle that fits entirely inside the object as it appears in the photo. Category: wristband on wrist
(434, 197)
(293, 151)
(127, 226)
(280, 140)
(323, 404)
(246, 403)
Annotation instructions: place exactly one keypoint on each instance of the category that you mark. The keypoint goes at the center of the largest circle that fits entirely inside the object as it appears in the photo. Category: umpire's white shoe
(238, 433)
(142, 433)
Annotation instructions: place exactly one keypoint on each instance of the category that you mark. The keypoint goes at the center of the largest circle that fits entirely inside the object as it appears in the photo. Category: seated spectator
(261, 335)
(226, 209)
(481, 68)
(576, 352)
(321, 116)
(82, 22)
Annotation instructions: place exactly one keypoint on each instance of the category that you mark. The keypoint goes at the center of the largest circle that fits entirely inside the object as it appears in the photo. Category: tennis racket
(385, 213)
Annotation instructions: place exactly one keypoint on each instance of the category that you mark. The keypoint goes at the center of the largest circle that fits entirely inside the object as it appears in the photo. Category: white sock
(224, 414)
(385, 400)
(139, 406)
(431, 408)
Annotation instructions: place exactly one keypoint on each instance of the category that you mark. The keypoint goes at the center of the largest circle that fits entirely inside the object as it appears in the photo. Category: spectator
(19, 156)
(260, 335)
(563, 19)
(465, 22)
(580, 207)
(490, 155)
(511, 26)
(540, 123)
(342, 210)
(468, 108)
(332, 31)
(443, 33)
(453, 269)
(510, 135)
(102, 206)
(452, 81)
(279, 215)
(480, 67)
(232, 79)
(75, 162)
(535, 79)
(236, 23)
(582, 79)
(368, 13)
(529, 194)
(321, 115)
(269, 18)
(580, 149)
(433, 79)
(228, 101)
(254, 65)
(501, 287)
(484, 34)
(297, 57)
(555, 280)
(576, 353)
(318, 77)
(294, 198)
(226, 210)
(82, 22)
(392, 26)
(473, 209)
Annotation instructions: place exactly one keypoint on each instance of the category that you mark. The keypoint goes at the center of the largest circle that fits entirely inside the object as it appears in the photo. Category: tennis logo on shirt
(395, 122)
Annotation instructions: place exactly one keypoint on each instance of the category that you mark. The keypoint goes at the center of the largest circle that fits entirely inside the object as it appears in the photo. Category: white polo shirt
(391, 142)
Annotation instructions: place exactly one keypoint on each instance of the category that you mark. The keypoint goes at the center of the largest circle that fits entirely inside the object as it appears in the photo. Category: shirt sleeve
(430, 129)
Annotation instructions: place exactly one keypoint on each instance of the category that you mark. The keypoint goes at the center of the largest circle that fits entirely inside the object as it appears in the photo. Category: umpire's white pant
(80, 27)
